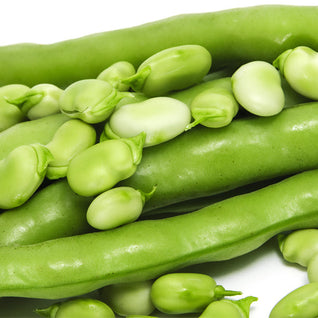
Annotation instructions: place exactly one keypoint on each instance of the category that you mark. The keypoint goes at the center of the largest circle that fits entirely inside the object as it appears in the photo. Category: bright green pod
(215, 107)
(129, 298)
(171, 69)
(227, 308)
(103, 165)
(70, 139)
(300, 68)
(21, 173)
(300, 303)
(180, 293)
(116, 72)
(90, 100)
(78, 308)
(312, 268)
(161, 118)
(39, 101)
(10, 114)
(30, 132)
(299, 246)
(54, 211)
(257, 88)
(116, 207)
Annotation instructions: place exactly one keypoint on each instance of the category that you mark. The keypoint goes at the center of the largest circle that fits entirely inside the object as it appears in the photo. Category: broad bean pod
(53, 212)
(76, 265)
(254, 33)
(247, 151)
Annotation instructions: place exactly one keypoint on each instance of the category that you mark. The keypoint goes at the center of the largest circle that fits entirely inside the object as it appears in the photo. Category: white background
(262, 273)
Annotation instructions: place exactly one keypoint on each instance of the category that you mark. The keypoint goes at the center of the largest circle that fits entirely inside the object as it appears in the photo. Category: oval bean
(116, 72)
(300, 68)
(116, 207)
(39, 101)
(226, 308)
(171, 69)
(128, 299)
(21, 173)
(299, 246)
(70, 139)
(300, 303)
(257, 87)
(312, 268)
(103, 165)
(181, 293)
(160, 118)
(10, 115)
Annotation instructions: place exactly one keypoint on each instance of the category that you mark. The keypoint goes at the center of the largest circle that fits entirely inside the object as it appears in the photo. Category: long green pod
(53, 212)
(30, 132)
(208, 161)
(254, 33)
(138, 251)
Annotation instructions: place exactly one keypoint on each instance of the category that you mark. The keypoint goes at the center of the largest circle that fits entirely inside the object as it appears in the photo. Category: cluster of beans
(100, 129)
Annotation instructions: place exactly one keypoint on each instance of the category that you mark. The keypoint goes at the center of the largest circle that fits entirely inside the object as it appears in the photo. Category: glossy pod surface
(75, 265)
(247, 151)
(272, 29)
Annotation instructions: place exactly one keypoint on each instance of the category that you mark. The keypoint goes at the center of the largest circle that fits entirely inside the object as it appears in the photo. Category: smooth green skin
(300, 303)
(39, 101)
(54, 211)
(247, 151)
(181, 293)
(171, 69)
(300, 68)
(140, 316)
(115, 207)
(257, 88)
(102, 166)
(312, 268)
(69, 140)
(78, 308)
(161, 118)
(253, 33)
(90, 100)
(226, 308)
(214, 108)
(299, 246)
(129, 298)
(76, 265)
(10, 115)
(30, 132)
(116, 72)
(21, 173)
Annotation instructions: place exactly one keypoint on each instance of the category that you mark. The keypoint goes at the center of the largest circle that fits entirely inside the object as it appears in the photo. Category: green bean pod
(30, 132)
(52, 212)
(247, 151)
(129, 298)
(299, 246)
(181, 293)
(300, 303)
(254, 33)
(102, 166)
(78, 308)
(171, 69)
(116, 72)
(76, 265)
(70, 139)
(10, 114)
(227, 308)
(39, 101)
(21, 173)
